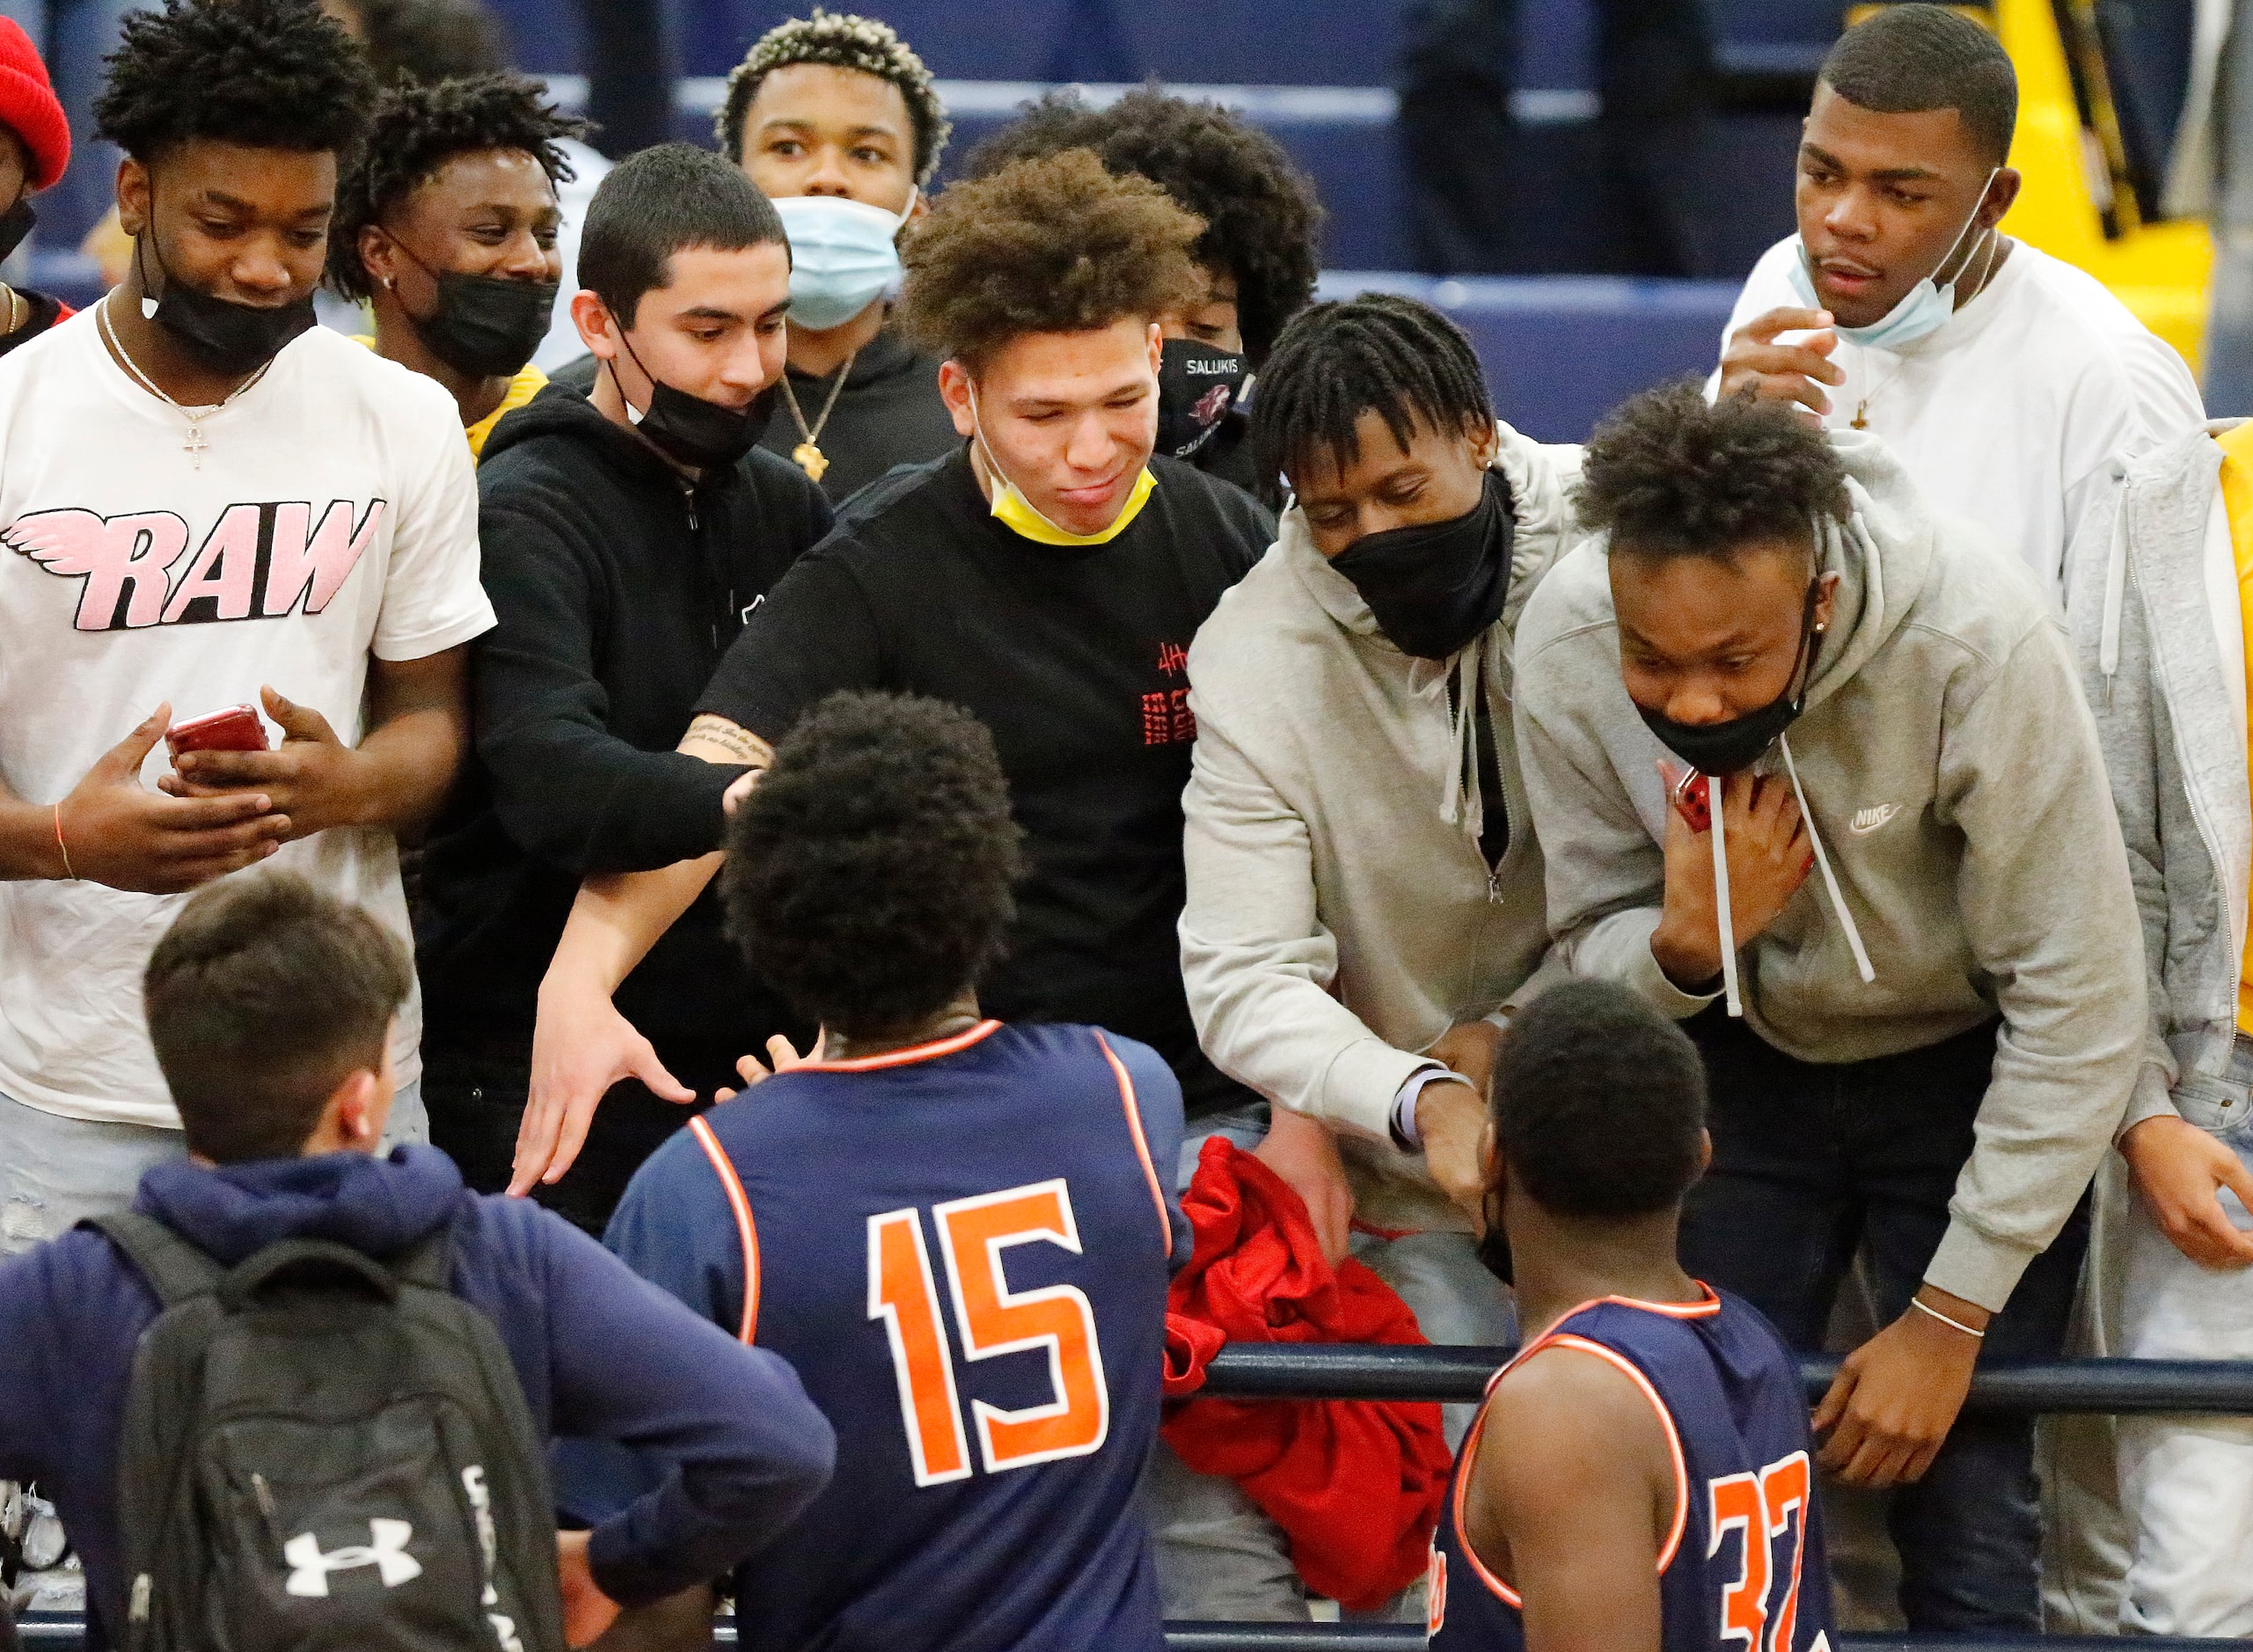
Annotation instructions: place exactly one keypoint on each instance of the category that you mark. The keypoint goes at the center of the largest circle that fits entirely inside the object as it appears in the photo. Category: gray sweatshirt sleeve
(2050, 917)
(1606, 874)
(2133, 728)
(1256, 959)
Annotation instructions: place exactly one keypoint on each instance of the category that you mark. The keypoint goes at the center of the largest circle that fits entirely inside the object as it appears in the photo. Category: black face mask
(1196, 386)
(15, 224)
(236, 340)
(1436, 585)
(1725, 747)
(697, 433)
(486, 326)
(1493, 1244)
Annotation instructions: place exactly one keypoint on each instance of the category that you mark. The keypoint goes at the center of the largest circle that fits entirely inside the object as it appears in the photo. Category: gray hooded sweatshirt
(1950, 771)
(1340, 915)
(2152, 601)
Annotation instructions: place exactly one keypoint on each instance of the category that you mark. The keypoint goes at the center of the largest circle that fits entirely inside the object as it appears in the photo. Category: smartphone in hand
(234, 728)
(1692, 797)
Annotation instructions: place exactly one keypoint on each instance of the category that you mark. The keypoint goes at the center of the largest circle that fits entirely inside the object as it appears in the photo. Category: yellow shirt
(528, 384)
(2237, 502)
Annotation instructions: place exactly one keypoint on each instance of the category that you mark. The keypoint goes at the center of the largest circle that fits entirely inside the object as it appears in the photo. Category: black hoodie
(617, 586)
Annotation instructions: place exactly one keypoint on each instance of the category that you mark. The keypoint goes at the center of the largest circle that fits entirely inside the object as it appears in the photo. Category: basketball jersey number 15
(992, 1319)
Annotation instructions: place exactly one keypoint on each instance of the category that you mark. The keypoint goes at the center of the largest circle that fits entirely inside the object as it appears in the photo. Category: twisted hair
(267, 74)
(1668, 475)
(841, 41)
(1380, 353)
(1262, 219)
(868, 875)
(1055, 245)
(416, 131)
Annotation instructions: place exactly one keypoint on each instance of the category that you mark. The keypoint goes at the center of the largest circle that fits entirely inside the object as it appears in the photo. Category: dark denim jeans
(476, 1102)
(1813, 1163)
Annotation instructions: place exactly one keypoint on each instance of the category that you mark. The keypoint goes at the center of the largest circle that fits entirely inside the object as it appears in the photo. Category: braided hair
(417, 129)
(841, 41)
(1380, 353)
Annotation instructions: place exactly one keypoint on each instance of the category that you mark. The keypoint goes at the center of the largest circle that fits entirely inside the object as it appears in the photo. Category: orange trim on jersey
(1141, 1142)
(1581, 1344)
(746, 1230)
(906, 1057)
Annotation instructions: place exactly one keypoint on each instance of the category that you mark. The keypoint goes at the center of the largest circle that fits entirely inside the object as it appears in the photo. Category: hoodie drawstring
(1822, 864)
(1728, 927)
(2115, 586)
(1461, 801)
(1720, 901)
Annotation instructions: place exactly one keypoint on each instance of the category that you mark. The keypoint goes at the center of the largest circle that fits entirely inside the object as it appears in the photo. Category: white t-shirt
(333, 514)
(2008, 412)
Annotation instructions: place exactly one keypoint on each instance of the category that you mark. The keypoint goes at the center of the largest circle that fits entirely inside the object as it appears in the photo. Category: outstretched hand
(581, 1046)
(782, 1053)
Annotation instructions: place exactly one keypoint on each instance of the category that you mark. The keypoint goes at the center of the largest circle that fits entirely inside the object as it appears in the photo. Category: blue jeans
(1813, 1163)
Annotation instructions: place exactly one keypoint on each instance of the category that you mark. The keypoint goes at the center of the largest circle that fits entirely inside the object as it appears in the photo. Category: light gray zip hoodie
(2151, 601)
(1950, 769)
(1340, 916)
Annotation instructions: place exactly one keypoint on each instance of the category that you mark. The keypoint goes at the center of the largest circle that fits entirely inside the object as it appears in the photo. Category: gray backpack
(323, 1451)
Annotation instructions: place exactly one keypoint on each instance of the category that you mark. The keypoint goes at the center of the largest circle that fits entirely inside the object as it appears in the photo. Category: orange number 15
(992, 1319)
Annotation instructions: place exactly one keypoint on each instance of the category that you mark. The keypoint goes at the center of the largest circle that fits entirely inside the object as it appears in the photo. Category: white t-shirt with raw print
(2012, 411)
(334, 514)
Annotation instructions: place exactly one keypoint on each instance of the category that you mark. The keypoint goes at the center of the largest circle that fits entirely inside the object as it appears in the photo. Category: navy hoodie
(602, 1355)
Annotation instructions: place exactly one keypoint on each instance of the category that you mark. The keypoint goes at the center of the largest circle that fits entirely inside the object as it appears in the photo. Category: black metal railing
(1354, 1372)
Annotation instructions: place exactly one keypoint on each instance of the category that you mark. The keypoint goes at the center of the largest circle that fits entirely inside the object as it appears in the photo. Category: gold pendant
(810, 459)
(1861, 417)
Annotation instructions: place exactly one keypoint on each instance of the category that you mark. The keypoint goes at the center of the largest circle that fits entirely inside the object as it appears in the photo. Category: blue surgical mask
(1922, 309)
(843, 257)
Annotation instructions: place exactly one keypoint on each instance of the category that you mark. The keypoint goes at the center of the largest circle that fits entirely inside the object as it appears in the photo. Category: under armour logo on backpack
(386, 1550)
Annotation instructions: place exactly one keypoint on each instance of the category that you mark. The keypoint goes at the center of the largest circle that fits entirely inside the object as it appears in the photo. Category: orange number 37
(1763, 1507)
(992, 1319)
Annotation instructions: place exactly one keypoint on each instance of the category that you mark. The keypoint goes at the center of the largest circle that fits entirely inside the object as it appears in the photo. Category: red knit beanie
(28, 105)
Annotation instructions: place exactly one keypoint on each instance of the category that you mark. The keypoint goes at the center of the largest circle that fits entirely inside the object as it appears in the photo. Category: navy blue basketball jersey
(963, 1248)
(1743, 1567)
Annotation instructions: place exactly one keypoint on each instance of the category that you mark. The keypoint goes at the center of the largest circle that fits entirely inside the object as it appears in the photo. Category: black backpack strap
(429, 1264)
(174, 1268)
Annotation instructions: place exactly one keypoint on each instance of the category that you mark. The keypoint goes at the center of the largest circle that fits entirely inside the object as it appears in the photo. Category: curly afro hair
(1262, 219)
(841, 41)
(868, 875)
(416, 131)
(1053, 245)
(1598, 1103)
(267, 74)
(1380, 353)
(1666, 474)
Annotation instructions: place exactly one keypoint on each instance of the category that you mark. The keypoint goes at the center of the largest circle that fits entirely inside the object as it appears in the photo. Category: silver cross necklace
(196, 443)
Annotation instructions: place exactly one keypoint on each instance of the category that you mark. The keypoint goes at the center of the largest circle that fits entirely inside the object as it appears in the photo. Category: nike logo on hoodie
(1866, 821)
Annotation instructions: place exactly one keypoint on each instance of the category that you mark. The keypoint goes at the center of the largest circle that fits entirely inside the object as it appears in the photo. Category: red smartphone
(1692, 800)
(234, 728)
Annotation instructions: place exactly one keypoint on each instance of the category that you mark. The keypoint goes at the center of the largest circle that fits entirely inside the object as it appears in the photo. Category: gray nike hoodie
(1951, 770)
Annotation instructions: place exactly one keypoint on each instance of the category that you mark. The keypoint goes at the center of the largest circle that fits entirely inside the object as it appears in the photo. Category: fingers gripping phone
(1693, 800)
(234, 728)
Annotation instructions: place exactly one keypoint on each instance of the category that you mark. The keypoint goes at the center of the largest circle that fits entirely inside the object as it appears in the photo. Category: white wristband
(1920, 1303)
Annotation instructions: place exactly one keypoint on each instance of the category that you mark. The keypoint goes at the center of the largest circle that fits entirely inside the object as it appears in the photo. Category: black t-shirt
(42, 312)
(888, 413)
(1076, 659)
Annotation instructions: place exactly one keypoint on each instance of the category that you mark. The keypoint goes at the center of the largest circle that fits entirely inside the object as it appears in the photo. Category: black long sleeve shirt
(618, 586)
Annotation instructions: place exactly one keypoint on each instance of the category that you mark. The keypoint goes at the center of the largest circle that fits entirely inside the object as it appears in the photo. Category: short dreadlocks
(1380, 353)
(1261, 216)
(416, 131)
(267, 74)
(841, 41)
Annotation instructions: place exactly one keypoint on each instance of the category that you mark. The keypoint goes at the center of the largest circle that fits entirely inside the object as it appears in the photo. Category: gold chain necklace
(808, 454)
(194, 445)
